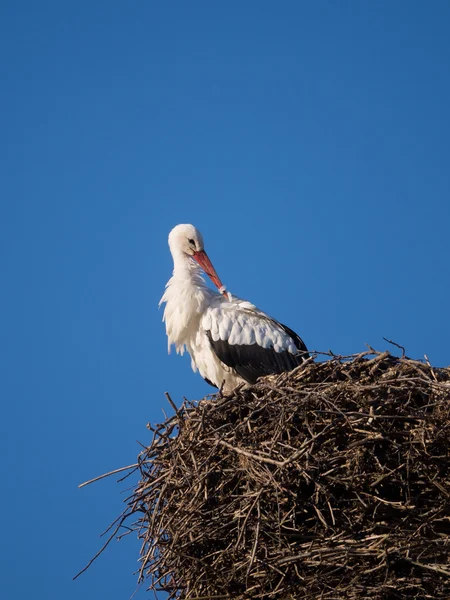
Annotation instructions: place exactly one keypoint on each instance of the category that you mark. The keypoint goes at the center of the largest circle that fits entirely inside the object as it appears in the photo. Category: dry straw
(332, 481)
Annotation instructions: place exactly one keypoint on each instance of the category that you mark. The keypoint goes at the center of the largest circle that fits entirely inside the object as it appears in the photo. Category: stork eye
(192, 242)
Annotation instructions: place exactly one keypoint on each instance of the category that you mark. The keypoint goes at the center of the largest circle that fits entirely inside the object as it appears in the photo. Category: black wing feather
(300, 344)
(251, 361)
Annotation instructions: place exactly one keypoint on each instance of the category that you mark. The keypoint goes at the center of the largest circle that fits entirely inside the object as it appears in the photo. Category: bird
(230, 341)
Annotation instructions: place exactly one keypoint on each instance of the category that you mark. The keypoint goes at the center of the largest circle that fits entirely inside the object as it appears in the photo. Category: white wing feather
(240, 323)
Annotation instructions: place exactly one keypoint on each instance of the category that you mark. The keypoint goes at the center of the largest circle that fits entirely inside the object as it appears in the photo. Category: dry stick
(108, 474)
(255, 545)
(270, 461)
(124, 513)
(210, 597)
(398, 346)
(102, 548)
(378, 358)
(172, 404)
(380, 479)
(429, 567)
(303, 448)
(241, 532)
(431, 368)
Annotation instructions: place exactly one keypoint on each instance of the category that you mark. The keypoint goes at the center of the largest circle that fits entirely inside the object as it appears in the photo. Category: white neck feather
(186, 297)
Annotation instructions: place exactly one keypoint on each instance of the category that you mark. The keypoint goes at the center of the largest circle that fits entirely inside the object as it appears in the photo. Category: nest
(332, 481)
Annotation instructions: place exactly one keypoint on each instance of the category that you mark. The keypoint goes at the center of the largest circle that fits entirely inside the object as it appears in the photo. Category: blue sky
(309, 142)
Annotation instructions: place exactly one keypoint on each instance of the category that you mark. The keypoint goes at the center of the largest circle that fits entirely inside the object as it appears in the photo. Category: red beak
(202, 258)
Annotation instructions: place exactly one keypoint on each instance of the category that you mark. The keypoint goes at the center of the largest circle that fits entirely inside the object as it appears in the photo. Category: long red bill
(202, 258)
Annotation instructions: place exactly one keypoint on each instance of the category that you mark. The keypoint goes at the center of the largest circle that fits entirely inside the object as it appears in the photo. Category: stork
(230, 341)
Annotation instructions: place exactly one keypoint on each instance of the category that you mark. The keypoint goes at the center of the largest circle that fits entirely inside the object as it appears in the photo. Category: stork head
(187, 240)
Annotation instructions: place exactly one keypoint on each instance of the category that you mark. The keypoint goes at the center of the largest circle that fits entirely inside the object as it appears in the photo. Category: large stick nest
(332, 481)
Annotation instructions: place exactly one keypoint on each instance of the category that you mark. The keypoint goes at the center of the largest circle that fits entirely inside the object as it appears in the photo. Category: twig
(397, 345)
(172, 403)
(108, 474)
(263, 459)
(102, 548)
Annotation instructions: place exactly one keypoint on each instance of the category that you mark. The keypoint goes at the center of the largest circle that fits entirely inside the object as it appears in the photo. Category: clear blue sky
(309, 142)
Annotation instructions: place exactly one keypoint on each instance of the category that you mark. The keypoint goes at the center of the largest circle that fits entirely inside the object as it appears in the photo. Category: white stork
(230, 341)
